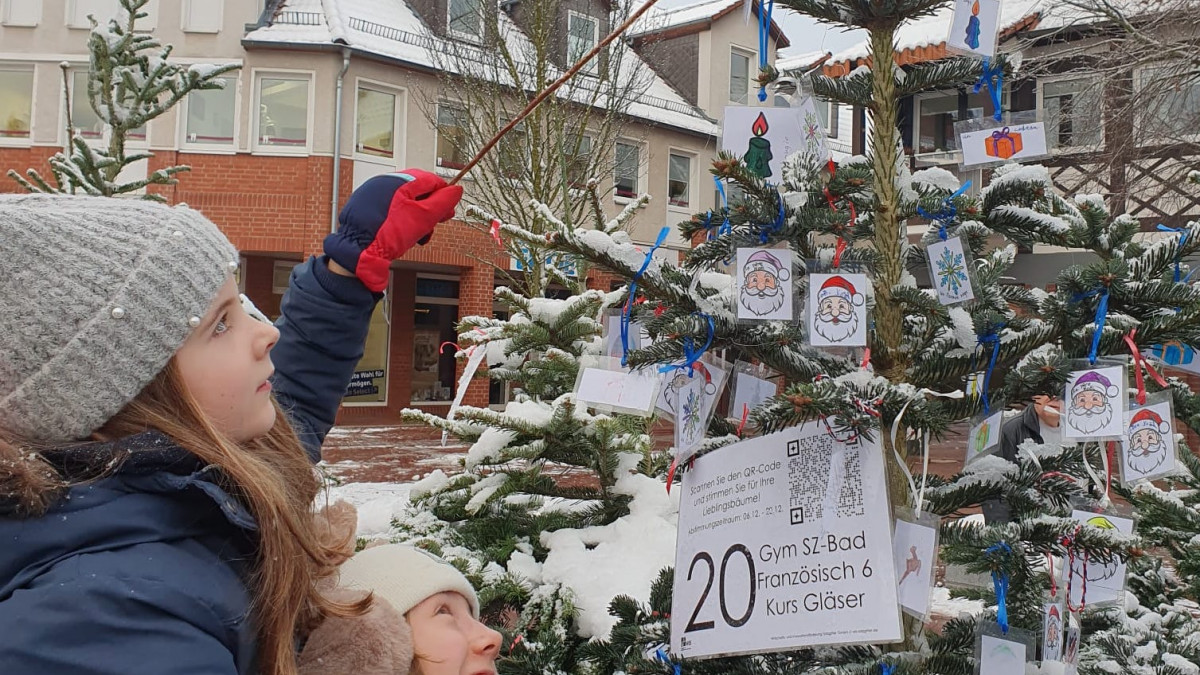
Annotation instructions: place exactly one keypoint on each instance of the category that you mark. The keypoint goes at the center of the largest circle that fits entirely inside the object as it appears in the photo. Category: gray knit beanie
(96, 295)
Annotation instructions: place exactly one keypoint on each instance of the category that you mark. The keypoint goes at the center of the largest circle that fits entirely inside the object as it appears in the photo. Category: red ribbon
(866, 359)
(745, 416)
(658, 311)
(837, 253)
(1050, 568)
(452, 344)
(495, 230)
(671, 474)
(1069, 542)
(1139, 362)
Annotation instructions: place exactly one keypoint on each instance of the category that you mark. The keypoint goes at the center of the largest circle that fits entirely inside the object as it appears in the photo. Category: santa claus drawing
(1091, 407)
(1146, 445)
(762, 291)
(836, 318)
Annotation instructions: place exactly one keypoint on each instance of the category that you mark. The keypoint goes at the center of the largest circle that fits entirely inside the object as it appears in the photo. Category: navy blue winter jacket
(143, 570)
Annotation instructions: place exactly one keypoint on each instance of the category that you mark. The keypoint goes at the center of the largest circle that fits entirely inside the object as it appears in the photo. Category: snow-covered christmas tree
(131, 81)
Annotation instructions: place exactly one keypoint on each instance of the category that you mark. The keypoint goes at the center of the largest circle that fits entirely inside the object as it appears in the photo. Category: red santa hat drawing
(763, 261)
(839, 286)
(1147, 419)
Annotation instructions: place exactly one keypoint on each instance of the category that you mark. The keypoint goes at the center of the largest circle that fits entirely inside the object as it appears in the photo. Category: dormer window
(583, 32)
(465, 19)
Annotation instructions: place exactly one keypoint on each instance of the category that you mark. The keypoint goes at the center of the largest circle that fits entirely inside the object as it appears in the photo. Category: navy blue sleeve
(107, 626)
(322, 330)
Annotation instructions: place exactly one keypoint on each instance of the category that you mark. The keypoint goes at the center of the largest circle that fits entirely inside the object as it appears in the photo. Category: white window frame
(185, 10)
(473, 38)
(592, 65)
(693, 194)
(750, 56)
(399, 121)
(135, 143)
(213, 148)
(72, 9)
(33, 105)
(833, 124)
(642, 170)
(916, 121)
(10, 17)
(1041, 106)
(446, 171)
(256, 76)
(1142, 137)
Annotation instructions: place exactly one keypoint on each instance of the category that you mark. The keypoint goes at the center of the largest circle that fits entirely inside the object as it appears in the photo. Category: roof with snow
(801, 62)
(698, 17)
(391, 30)
(924, 39)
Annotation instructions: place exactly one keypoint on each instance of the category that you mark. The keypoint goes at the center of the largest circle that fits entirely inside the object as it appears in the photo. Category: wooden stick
(537, 100)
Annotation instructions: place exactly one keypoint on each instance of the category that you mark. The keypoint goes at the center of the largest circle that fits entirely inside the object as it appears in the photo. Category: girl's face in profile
(449, 640)
(226, 363)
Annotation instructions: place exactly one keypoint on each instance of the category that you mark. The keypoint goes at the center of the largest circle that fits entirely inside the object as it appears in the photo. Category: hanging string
(629, 302)
(946, 213)
(1000, 585)
(837, 253)
(992, 337)
(1101, 318)
(442, 346)
(1140, 363)
(671, 473)
(1183, 233)
(765, 8)
(918, 495)
(1069, 542)
(992, 78)
(1050, 571)
(745, 416)
(691, 355)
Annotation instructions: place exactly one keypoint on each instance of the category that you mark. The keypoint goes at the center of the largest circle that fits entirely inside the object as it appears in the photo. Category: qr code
(808, 479)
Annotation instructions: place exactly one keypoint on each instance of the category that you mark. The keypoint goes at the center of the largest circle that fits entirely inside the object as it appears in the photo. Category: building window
(827, 111)
(465, 18)
(1169, 102)
(434, 324)
(578, 164)
(78, 11)
(281, 276)
(210, 115)
(627, 167)
(512, 153)
(679, 180)
(583, 32)
(369, 383)
(16, 103)
(84, 120)
(20, 12)
(375, 128)
(1072, 113)
(451, 136)
(739, 76)
(202, 16)
(283, 112)
(935, 123)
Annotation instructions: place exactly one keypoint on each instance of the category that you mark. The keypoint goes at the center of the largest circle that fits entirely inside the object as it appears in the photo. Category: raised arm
(327, 308)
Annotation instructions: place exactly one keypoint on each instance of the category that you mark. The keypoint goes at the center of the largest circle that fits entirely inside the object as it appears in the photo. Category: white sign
(670, 396)
(604, 384)
(765, 137)
(915, 555)
(1094, 404)
(1105, 581)
(761, 567)
(1001, 144)
(748, 393)
(984, 436)
(837, 310)
(690, 422)
(764, 288)
(974, 27)
(1052, 631)
(950, 271)
(998, 656)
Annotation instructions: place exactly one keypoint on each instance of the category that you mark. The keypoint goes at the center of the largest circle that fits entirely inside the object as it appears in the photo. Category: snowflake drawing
(691, 415)
(951, 271)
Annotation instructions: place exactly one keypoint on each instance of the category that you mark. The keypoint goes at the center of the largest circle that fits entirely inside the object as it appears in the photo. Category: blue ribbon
(708, 226)
(946, 213)
(1183, 237)
(992, 337)
(690, 354)
(765, 8)
(886, 668)
(662, 656)
(992, 78)
(1000, 585)
(1101, 318)
(770, 228)
(662, 237)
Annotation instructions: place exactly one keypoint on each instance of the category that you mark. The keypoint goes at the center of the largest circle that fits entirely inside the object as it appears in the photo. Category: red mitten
(386, 216)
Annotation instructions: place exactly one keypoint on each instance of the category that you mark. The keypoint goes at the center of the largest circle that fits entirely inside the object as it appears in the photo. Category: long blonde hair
(272, 477)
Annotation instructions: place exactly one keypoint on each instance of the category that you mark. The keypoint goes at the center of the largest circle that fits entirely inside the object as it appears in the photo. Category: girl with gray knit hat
(156, 441)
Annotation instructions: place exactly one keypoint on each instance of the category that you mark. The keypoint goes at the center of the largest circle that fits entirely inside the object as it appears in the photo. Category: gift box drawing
(1002, 144)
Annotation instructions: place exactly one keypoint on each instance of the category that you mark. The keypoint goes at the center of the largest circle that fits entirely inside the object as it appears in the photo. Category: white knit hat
(405, 576)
